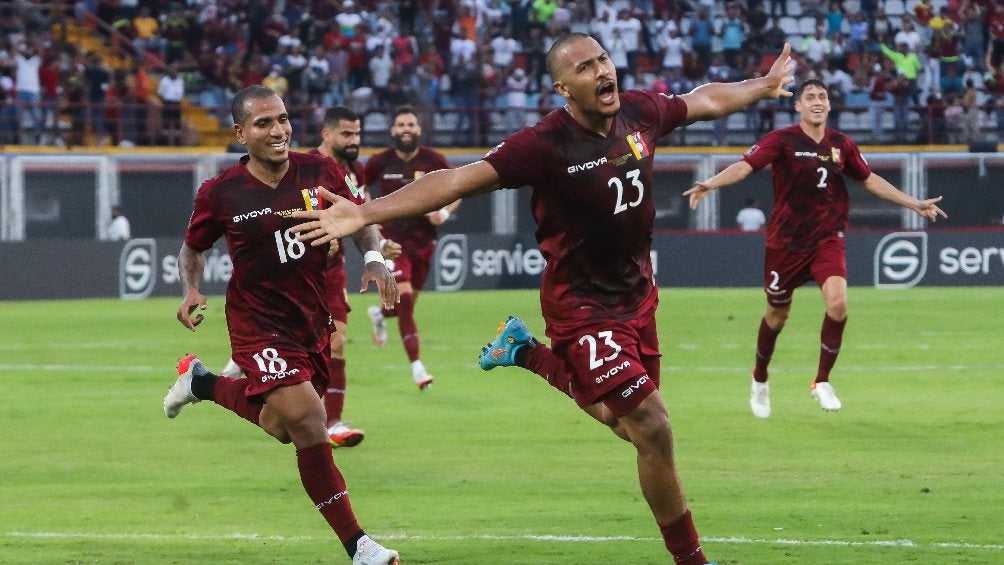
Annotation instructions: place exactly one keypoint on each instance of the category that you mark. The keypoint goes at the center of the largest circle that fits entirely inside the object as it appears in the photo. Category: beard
(406, 146)
(347, 154)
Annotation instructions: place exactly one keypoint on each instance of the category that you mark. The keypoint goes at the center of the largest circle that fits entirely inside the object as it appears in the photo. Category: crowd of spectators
(909, 69)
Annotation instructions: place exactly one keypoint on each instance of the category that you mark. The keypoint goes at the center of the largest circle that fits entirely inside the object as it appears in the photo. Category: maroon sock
(406, 325)
(229, 393)
(682, 541)
(334, 396)
(830, 338)
(326, 489)
(542, 361)
(766, 338)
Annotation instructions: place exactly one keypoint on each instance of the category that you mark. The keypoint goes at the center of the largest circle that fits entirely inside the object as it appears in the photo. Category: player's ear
(239, 134)
(561, 89)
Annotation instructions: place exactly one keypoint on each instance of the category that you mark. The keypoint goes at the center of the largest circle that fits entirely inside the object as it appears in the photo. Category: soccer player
(276, 315)
(404, 162)
(340, 138)
(590, 167)
(805, 236)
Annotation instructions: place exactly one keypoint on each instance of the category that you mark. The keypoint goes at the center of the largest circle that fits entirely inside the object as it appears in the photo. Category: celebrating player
(386, 172)
(805, 236)
(340, 137)
(275, 304)
(590, 167)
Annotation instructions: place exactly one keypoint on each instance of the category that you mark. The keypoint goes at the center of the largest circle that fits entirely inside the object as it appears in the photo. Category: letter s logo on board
(138, 268)
(900, 260)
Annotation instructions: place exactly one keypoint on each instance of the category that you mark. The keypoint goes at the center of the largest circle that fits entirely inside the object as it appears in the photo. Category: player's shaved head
(553, 58)
(238, 111)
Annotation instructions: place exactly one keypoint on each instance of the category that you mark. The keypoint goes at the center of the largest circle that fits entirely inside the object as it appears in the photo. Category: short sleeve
(672, 112)
(371, 172)
(517, 160)
(335, 179)
(855, 165)
(203, 228)
(764, 152)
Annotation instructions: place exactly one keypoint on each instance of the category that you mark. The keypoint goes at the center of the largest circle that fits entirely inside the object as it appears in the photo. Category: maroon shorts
(614, 362)
(274, 367)
(412, 265)
(784, 271)
(336, 294)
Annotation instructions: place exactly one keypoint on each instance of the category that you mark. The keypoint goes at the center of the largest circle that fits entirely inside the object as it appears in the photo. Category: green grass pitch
(498, 468)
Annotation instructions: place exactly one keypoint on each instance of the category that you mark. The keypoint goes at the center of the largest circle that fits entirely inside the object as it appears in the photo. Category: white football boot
(379, 330)
(827, 397)
(180, 393)
(369, 552)
(760, 400)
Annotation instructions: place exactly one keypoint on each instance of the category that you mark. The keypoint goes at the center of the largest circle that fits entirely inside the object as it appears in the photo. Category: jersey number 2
(635, 177)
(823, 173)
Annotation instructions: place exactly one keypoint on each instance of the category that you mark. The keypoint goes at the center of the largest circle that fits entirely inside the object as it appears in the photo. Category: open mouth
(607, 92)
(278, 146)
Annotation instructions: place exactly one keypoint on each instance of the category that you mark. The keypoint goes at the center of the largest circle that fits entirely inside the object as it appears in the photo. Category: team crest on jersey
(419, 174)
(310, 198)
(835, 153)
(350, 181)
(638, 146)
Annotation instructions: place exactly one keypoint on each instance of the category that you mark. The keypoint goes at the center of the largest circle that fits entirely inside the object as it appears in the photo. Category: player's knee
(337, 346)
(837, 309)
(776, 317)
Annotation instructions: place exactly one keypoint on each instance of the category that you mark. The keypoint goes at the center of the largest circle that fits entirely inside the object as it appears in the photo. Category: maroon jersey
(276, 292)
(336, 260)
(592, 200)
(810, 196)
(387, 173)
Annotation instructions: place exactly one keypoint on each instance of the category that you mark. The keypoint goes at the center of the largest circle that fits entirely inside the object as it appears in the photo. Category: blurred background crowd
(156, 72)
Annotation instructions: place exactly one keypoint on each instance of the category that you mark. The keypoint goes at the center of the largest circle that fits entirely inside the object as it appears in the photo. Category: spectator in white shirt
(29, 86)
(171, 90)
(118, 229)
(751, 217)
(505, 48)
(673, 47)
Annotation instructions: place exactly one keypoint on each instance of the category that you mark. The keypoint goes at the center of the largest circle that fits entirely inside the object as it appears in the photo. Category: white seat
(789, 24)
(894, 8)
(807, 25)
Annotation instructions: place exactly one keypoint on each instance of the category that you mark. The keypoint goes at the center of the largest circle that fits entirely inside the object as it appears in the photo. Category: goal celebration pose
(805, 236)
(589, 165)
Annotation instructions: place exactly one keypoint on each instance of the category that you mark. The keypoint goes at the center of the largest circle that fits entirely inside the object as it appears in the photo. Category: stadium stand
(90, 72)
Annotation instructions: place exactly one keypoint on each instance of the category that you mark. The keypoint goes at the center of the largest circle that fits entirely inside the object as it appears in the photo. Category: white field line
(489, 537)
(873, 369)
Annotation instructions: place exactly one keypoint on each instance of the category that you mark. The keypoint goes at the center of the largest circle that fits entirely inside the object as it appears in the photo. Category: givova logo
(451, 262)
(901, 260)
(138, 268)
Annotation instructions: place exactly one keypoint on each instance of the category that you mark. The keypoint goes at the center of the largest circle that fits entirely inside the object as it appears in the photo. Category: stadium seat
(894, 8)
(848, 122)
(807, 25)
(789, 24)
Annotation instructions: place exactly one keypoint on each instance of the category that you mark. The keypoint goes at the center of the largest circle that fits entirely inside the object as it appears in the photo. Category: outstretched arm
(717, 99)
(886, 191)
(431, 192)
(191, 265)
(730, 175)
